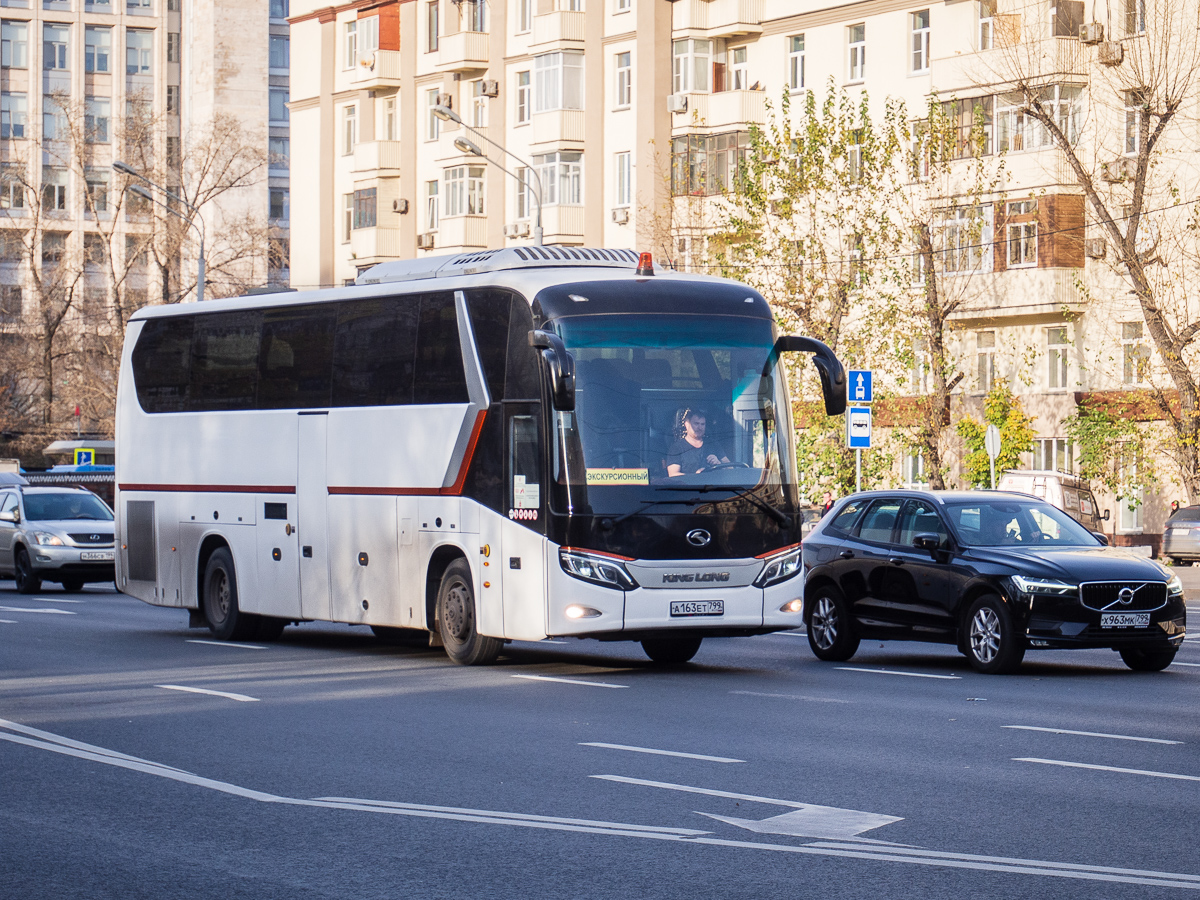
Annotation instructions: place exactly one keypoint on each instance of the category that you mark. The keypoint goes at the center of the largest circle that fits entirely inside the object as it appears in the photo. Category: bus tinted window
(373, 352)
(225, 361)
(522, 381)
(489, 322)
(162, 364)
(296, 358)
(439, 377)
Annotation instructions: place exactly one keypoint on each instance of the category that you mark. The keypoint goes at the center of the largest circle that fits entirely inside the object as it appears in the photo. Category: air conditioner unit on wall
(677, 103)
(1120, 169)
(516, 230)
(620, 215)
(425, 240)
(490, 87)
(1095, 248)
(1111, 53)
(400, 206)
(1091, 33)
(446, 100)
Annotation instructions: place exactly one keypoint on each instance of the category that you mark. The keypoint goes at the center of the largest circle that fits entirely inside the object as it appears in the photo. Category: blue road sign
(860, 389)
(858, 427)
(85, 457)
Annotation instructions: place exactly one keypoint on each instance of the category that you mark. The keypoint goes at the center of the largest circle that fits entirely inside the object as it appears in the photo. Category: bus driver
(690, 453)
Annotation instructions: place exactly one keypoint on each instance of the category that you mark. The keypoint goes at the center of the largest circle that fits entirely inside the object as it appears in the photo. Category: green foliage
(1003, 409)
(825, 463)
(1112, 451)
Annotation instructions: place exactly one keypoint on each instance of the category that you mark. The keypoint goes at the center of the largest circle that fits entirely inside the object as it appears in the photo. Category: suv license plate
(1124, 620)
(96, 555)
(697, 607)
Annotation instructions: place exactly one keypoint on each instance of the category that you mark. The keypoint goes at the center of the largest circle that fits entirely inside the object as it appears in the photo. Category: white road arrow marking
(242, 698)
(50, 611)
(827, 822)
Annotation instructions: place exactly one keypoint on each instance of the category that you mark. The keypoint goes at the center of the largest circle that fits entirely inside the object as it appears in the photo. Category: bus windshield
(672, 407)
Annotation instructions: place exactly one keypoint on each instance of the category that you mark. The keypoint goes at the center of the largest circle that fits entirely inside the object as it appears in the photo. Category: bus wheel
(456, 619)
(671, 651)
(225, 619)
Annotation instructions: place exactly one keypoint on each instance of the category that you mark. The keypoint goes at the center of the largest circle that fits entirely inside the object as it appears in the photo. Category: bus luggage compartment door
(312, 492)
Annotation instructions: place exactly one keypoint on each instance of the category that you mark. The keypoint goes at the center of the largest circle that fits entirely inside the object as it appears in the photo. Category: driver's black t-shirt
(691, 459)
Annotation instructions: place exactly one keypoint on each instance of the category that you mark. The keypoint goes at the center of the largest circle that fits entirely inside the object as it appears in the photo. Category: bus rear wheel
(456, 619)
(225, 620)
(671, 651)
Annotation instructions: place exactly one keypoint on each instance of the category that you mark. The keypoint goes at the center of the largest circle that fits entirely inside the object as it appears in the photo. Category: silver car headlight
(45, 538)
(1043, 586)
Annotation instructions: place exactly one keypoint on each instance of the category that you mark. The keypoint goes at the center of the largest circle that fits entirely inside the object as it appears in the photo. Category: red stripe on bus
(457, 487)
(213, 488)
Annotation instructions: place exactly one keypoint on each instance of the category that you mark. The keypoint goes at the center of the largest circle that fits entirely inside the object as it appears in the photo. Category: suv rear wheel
(1148, 659)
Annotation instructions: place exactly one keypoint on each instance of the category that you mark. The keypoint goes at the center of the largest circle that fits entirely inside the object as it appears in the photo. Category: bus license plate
(96, 555)
(697, 607)
(1124, 620)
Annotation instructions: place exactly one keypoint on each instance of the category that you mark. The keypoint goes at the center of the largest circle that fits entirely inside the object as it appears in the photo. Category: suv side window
(843, 522)
(9, 502)
(920, 517)
(880, 520)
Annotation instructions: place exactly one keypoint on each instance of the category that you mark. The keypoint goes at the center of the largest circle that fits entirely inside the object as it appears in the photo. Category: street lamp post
(446, 114)
(142, 192)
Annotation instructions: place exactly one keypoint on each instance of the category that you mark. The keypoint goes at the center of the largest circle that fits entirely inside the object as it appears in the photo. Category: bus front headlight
(604, 569)
(780, 565)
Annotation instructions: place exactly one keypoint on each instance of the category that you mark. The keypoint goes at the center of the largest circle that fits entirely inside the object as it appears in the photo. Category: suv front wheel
(992, 643)
(26, 579)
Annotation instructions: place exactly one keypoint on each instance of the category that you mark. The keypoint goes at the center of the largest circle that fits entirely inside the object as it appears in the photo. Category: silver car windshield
(60, 507)
(1016, 523)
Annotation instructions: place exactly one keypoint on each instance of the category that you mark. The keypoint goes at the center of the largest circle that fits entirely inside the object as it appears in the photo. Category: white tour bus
(476, 445)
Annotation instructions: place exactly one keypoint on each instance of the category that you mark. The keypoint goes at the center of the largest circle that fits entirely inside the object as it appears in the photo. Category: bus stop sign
(858, 427)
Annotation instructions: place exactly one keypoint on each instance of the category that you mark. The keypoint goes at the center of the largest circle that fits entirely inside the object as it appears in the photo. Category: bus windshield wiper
(766, 507)
(649, 503)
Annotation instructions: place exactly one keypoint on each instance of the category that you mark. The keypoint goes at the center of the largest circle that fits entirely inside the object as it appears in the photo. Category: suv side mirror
(930, 543)
(1101, 536)
(10, 515)
(561, 367)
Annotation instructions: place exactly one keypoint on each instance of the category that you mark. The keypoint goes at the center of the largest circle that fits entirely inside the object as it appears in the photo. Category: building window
(920, 41)
(389, 119)
(368, 36)
(279, 153)
(464, 191)
(54, 189)
(54, 247)
(1135, 16)
(624, 80)
(965, 234)
(347, 217)
(972, 124)
(796, 62)
(173, 46)
(54, 120)
(349, 129)
(1054, 454)
(432, 25)
(278, 99)
(279, 9)
(365, 205)
(1056, 352)
(14, 111)
(913, 465)
(139, 48)
(433, 125)
(96, 120)
(1135, 354)
(473, 15)
(97, 181)
(562, 178)
(12, 188)
(985, 360)
(739, 68)
(14, 45)
(692, 66)
(1135, 110)
(857, 43)
(624, 178)
(1067, 16)
(55, 39)
(1130, 517)
(11, 306)
(707, 164)
(479, 104)
(174, 152)
(1017, 131)
(987, 24)
(1022, 226)
(173, 99)
(558, 81)
(137, 7)
(922, 363)
(280, 51)
(524, 98)
(350, 45)
(431, 205)
(524, 16)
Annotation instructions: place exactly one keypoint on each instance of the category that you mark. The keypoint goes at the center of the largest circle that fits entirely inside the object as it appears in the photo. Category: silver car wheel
(985, 635)
(824, 623)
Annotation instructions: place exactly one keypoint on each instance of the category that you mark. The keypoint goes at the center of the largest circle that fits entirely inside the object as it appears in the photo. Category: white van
(1070, 494)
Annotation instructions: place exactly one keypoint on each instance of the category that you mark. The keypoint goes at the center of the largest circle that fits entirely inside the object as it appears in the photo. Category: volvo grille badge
(1125, 596)
(698, 537)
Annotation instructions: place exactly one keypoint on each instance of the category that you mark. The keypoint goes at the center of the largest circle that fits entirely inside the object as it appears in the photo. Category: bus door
(312, 492)
(523, 542)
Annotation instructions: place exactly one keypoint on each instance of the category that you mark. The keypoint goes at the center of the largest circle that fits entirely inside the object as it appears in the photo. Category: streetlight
(446, 114)
(142, 192)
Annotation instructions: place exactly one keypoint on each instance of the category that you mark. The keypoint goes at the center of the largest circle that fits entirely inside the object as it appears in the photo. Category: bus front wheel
(225, 618)
(671, 651)
(456, 619)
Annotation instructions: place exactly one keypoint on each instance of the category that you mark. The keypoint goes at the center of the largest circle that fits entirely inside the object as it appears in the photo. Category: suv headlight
(46, 538)
(1174, 586)
(1043, 586)
(780, 565)
(606, 570)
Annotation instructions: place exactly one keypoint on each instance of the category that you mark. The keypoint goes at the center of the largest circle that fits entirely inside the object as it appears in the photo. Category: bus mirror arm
(561, 366)
(829, 367)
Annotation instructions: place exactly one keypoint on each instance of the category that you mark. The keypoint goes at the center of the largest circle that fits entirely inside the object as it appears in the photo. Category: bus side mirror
(561, 367)
(829, 367)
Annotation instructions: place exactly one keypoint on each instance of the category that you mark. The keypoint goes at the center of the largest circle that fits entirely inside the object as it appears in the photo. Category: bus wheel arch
(438, 563)
(218, 593)
(457, 616)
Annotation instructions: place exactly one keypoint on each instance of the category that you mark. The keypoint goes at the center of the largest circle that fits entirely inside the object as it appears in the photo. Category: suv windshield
(72, 505)
(1016, 523)
(670, 407)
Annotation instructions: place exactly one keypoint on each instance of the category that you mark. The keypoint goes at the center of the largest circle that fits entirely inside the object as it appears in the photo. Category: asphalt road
(327, 765)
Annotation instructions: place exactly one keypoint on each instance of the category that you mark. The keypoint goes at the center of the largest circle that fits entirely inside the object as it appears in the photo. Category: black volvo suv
(995, 573)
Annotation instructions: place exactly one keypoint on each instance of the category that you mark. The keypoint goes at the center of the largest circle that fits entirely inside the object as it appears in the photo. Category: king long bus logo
(693, 577)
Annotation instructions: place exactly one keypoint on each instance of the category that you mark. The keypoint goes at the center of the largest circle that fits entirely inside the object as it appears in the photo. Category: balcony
(375, 243)
(381, 158)
(1031, 295)
(721, 111)
(717, 18)
(562, 223)
(558, 126)
(375, 70)
(558, 27)
(466, 51)
(462, 231)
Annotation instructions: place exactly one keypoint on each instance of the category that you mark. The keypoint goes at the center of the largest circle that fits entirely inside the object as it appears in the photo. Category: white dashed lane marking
(1118, 769)
(33, 609)
(894, 672)
(225, 644)
(241, 698)
(1095, 734)
(571, 681)
(701, 756)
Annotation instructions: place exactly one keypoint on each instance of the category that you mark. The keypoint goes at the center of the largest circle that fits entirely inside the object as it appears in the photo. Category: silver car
(55, 534)
(1181, 536)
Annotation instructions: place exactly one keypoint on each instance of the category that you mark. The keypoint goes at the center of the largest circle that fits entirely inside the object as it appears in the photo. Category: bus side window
(225, 361)
(524, 463)
(439, 377)
(373, 352)
(294, 367)
(522, 380)
(489, 322)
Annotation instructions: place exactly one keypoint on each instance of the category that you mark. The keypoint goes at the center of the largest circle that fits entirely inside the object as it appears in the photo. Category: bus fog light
(792, 606)
(581, 612)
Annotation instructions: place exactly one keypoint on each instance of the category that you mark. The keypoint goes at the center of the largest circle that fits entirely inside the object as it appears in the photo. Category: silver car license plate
(96, 555)
(697, 607)
(1124, 620)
